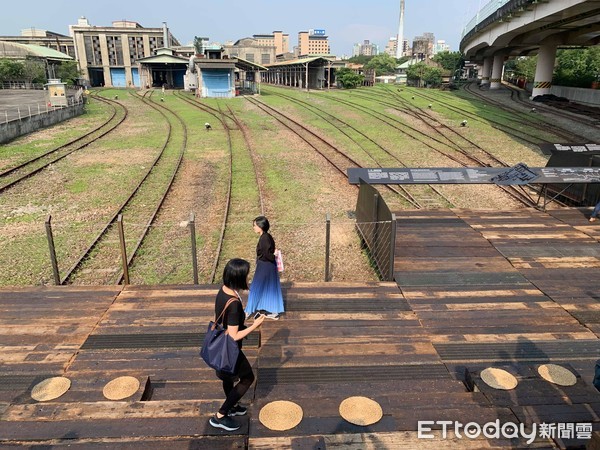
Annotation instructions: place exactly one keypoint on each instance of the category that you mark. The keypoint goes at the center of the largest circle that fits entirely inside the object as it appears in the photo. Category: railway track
(422, 195)
(524, 117)
(101, 256)
(16, 174)
(515, 131)
(553, 108)
(230, 123)
(465, 159)
(337, 159)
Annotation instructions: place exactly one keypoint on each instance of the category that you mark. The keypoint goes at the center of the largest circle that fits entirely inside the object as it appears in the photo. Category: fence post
(392, 246)
(327, 244)
(375, 221)
(123, 249)
(19, 112)
(52, 250)
(29, 107)
(192, 225)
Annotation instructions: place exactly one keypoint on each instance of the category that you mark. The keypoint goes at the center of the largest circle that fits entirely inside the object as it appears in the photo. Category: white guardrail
(483, 14)
(20, 112)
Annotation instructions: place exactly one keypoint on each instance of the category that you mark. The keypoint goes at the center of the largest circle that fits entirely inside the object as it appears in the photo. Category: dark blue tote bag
(219, 350)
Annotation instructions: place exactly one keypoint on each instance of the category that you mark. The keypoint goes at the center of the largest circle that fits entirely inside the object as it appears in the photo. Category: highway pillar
(497, 69)
(544, 70)
(487, 69)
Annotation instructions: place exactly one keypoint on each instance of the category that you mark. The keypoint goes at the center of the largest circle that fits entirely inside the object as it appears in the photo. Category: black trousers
(234, 392)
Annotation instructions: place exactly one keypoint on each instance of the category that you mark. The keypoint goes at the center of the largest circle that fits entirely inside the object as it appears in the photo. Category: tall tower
(400, 39)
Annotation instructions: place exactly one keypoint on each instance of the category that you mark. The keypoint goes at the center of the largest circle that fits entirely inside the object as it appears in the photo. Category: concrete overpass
(511, 28)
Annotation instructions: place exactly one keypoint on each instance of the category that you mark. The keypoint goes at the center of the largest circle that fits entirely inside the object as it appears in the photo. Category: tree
(431, 76)
(68, 72)
(10, 70)
(360, 59)
(403, 60)
(383, 64)
(578, 67)
(348, 78)
(525, 67)
(34, 72)
(450, 61)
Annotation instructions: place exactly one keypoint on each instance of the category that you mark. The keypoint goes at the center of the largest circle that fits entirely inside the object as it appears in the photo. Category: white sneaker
(273, 316)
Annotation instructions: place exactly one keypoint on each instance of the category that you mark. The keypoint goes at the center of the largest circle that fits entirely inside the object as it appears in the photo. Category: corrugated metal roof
(251, 64)
(13, 49)
(163, 59)
(298, 61)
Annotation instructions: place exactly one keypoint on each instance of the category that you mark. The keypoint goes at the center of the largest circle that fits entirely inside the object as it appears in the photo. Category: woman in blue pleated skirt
(265, 290)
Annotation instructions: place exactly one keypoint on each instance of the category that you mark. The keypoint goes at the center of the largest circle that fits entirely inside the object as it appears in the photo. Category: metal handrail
(34, 110)
(485, 12)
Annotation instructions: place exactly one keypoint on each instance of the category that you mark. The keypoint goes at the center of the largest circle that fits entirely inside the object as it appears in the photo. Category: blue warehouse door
(178, 78)
(216, 83)
(117, 77)
(135, 75)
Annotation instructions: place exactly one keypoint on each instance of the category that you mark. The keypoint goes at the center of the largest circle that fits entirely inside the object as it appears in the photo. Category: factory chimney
(166, 35)
(400, 39)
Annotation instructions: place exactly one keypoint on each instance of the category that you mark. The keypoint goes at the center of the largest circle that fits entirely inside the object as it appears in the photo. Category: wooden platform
(474, 289)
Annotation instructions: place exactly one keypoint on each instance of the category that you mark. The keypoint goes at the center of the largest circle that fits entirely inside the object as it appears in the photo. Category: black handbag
(219, 350)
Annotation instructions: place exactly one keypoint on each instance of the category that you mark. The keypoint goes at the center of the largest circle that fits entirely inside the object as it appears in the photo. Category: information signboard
(517, 175)
(552, 149)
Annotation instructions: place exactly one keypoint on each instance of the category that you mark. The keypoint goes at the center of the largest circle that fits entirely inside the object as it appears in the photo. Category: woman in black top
(265, 291)
(235, 277)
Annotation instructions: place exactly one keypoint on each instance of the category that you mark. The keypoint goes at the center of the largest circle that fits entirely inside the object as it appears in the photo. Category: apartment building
(392, 46)
(365, 49)
(312, 42)
(279, 40)
(250, 49)
(108, 56)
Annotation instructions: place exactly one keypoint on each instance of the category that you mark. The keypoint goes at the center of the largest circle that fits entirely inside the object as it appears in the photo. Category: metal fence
(338, 249)
(494, 10)
(21, 85)
(36, 107)
(376, 225)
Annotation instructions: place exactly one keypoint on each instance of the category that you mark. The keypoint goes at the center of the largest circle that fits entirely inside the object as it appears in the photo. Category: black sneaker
(225, 422)
(237, 410)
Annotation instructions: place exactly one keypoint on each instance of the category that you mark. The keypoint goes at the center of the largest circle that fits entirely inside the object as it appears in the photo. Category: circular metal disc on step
(361, 411)
(120, 388)
(280, 415)
(498, 379)
(557, 375)
(50, 388)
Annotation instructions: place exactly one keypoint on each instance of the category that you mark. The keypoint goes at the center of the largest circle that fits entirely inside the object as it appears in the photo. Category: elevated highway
(512, 28)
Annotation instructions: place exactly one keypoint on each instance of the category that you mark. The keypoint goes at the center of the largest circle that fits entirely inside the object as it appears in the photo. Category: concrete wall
(16, 128)
(578, 95)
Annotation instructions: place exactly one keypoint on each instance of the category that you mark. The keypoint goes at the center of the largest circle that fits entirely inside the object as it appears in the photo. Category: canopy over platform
(315, 72)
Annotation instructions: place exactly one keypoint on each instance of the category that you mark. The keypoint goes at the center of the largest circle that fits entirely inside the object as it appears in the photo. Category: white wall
(578, 95)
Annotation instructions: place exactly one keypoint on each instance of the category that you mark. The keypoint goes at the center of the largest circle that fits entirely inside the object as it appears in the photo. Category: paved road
(18, 101)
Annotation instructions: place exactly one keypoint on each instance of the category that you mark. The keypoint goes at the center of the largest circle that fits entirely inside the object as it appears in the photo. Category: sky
(346, 22)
